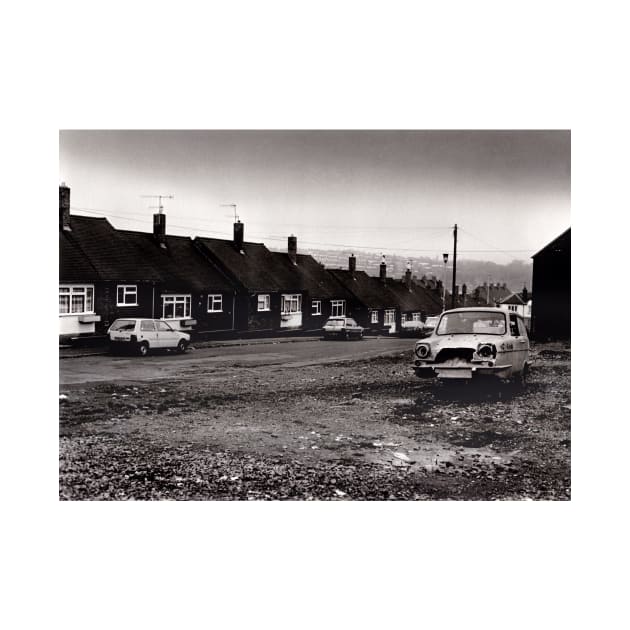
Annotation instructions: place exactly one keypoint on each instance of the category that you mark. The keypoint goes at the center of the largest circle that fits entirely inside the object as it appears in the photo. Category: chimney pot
(383, 270)
(64, 207)
(239, 235)
(352, 263)
(292, 248)
(159, 227)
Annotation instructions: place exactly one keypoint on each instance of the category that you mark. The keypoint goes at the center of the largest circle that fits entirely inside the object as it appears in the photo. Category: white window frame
(390, 314)
(317, 307)
(416, 317)
(374, 317)
(291, 303)
(214, 300)
(266, 302)
(127, 289)
(337, 308)
(86, 291)
(175, 299)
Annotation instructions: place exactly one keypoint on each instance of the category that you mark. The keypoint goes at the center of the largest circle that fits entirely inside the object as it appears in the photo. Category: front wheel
(143, 349)
(181, 346)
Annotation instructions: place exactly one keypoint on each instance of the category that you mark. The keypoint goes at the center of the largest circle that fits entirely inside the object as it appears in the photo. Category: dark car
(342, 328)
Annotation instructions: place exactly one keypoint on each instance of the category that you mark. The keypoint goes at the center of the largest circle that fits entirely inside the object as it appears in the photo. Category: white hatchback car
(472, 342)
(142, 335)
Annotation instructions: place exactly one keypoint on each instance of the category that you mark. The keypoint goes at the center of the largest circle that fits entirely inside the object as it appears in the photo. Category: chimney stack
(64, 207)
(352, 263)
(408, 276)
(383, 270)
(525, 295)
(239, 235)
(159, 228)
(292, 248)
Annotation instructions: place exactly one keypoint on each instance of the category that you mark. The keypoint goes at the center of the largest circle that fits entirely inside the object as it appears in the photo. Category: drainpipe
(233, 309)
(153, 301)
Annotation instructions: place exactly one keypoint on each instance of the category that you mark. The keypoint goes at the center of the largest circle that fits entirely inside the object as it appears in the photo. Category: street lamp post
(445, 257)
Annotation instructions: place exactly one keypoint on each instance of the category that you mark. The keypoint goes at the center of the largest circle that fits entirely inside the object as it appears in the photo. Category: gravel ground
(362, 430)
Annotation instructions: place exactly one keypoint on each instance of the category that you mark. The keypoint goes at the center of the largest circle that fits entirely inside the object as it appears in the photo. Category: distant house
(520, 303)
(376, 307)
(192, 291)
(101, 276)
(324, 296)
(551, 285)
(268, 297)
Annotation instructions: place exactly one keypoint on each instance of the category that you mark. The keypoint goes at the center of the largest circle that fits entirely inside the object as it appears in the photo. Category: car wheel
(181, 346)
(347, 336)
(143, 349)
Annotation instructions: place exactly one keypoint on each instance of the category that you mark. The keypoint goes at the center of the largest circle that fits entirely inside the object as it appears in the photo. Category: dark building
(551, 286)
(323, 295)
(101, 276)
(375, 307)
(192, 292)
(268, 297)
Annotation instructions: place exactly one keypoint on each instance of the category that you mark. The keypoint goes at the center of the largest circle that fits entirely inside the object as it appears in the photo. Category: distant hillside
(516, 274)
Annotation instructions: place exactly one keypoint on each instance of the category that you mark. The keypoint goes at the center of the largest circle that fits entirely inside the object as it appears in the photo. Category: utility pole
(159, 207)
(445, 258)
(454, 265)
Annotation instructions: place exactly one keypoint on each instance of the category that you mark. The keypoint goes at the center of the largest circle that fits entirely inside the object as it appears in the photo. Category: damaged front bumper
(459, 370)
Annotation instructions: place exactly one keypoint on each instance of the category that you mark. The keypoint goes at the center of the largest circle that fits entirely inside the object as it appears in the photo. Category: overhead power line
(281, 238)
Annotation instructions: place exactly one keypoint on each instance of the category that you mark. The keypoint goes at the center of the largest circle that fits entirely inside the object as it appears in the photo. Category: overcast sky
(397, 192)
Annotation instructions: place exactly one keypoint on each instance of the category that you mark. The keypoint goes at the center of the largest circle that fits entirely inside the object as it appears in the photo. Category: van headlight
(423, 350)
(486, 350)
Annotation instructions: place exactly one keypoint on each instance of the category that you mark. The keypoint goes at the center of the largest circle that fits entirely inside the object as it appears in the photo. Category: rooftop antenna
(159, 207)
(233, 206)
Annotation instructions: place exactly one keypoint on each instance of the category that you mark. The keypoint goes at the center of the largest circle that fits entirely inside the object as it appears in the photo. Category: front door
(520, 343)
(148, 333)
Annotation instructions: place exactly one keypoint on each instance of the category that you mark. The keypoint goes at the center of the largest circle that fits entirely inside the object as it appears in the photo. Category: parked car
(412, 328)
(142, 335)
(474, 342)
(342, 328)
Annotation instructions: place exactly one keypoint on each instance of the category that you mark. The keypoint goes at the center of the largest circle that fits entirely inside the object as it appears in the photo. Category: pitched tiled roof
(414, 297)
(254, 268)
(74, 266)
(309, 275)
(109, 253)
(180, 263)
(514, 298)
(370, 291)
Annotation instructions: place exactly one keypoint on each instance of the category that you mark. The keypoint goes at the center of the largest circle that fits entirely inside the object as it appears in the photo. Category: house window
(374, 319)
(390, 317)
(416, 317)
(175, 306)
(127, 295)
(215, 303)
(264, 303)
(291, 304)
(512, 307)
(337, 308)
(76, 299)
(317, 307)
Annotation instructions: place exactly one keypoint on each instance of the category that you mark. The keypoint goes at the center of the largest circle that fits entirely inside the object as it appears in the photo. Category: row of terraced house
(215, 286)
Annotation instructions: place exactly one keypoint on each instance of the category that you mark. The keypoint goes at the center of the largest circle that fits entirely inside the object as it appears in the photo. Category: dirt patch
(352, 430)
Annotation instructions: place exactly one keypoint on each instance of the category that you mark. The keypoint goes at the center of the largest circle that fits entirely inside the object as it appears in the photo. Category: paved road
(211, 362)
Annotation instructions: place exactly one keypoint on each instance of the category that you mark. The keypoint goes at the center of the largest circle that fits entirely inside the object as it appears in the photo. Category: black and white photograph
(317, 315)
(323, 355)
